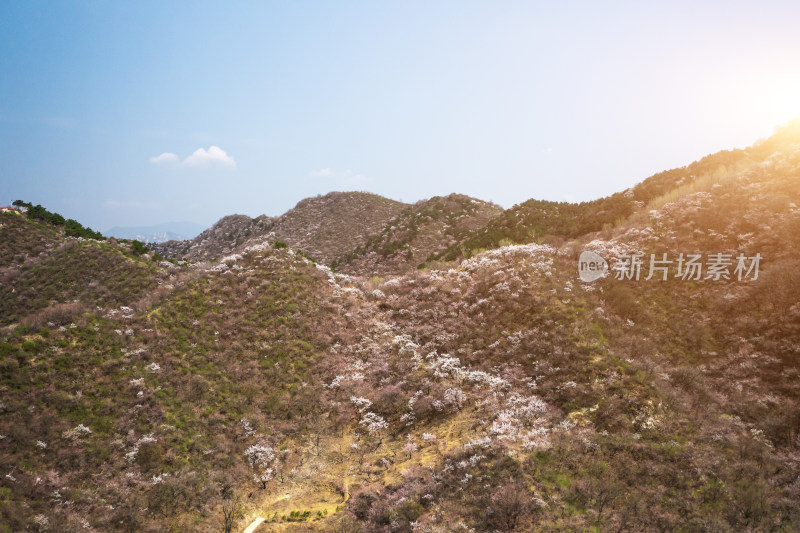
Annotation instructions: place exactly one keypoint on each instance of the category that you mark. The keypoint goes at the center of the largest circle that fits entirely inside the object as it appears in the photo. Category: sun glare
(779, 102)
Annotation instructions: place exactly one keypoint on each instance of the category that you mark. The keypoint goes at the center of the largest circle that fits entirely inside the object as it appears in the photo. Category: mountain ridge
(530, 221)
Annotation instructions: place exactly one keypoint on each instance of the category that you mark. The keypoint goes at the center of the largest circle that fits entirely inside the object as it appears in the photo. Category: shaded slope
(154, 411)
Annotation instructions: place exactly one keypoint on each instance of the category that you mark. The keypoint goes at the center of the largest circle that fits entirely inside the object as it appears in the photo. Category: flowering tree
(455, 397)
(374, 423)
(261, 458)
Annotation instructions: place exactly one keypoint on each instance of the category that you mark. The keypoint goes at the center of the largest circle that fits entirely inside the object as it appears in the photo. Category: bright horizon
(135, 115)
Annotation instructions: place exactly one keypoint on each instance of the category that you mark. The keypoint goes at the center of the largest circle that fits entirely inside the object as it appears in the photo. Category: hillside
(416, 234)
(52, 278)
(557, 222)
(140, 415)
(24, 240)
(493, 393)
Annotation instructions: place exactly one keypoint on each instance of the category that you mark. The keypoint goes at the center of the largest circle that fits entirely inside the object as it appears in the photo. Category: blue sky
(260, 104)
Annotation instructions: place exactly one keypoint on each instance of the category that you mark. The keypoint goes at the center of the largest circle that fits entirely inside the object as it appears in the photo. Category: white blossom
(246, 427)
(261, 458)
(373, 422)
(131, 455)
(361, 403)
(42, 521)
(259, 454)
(455, 397)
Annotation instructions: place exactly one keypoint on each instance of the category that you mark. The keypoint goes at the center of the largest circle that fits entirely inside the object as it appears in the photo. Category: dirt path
(253, 525)
(328, 505)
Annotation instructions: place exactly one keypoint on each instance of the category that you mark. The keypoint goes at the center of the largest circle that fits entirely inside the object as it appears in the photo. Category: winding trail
(258, 520)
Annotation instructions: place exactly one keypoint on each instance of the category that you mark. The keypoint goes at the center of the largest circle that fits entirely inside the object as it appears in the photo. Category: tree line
(72, 227)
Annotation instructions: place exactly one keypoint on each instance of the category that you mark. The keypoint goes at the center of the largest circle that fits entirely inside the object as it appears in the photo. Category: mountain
(324, 227)
(158, 233)
(219, 240)
(417, 233)
(495, 392)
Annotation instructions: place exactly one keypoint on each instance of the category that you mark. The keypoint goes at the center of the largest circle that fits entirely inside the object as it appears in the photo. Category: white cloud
(200, 157)
(166, 157)
(344, 177)
(213, 156)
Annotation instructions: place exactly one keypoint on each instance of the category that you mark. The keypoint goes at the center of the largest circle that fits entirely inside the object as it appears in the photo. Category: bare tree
(507, 506)
(229, 505)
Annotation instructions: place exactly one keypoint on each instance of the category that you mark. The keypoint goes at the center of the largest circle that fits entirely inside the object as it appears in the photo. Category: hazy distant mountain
(167, 231)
